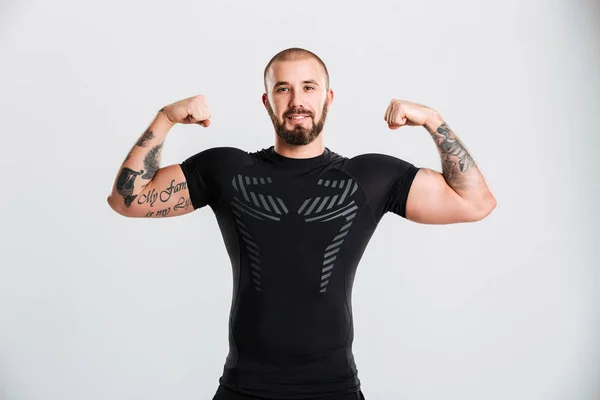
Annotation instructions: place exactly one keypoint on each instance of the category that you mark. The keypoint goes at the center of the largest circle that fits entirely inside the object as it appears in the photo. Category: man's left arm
(460, 193)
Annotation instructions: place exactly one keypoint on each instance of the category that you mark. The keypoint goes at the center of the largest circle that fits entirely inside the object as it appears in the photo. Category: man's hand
(401, 112)
(193, 110)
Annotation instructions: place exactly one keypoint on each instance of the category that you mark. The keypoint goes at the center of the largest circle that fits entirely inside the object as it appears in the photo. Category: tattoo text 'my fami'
(165, 195)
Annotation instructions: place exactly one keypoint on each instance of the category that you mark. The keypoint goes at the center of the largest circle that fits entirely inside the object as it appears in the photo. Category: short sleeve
(196, 170)
(207, 171)
(397, 195)
(385, 180)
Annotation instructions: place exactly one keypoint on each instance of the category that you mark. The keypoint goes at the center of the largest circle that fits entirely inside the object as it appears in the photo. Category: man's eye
(280, 89)
(310, 87)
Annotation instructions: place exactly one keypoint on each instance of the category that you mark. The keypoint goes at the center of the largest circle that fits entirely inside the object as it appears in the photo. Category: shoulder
(377, 163)
(384, 179)
(214, 164)
(381, 174)
(220, 153)
(220, 157)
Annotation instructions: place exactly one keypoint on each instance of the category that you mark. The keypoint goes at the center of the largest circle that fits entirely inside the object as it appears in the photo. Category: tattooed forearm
(146, 137)
(452, 150)
(152, 162)
(456, 160)
(139, 169)
(125, 184)
(142, 142)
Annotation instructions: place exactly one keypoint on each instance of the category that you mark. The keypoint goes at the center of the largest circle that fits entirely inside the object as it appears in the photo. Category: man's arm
(144, 190)
(460, 193)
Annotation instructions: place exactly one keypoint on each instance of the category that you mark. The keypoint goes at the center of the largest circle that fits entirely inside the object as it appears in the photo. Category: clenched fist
(401, 112)
(193, 110)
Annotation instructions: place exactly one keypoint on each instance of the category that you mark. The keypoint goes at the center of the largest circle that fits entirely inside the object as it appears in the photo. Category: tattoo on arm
(152, 162)
(142, 142)
(146, 137)
(149, 197)
(165, 195)
(160, 213)
(163, 212)
(456, 160)
(182, 204)
(125, 184)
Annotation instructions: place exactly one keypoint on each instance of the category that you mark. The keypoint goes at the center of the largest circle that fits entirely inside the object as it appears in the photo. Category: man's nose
(296, 100)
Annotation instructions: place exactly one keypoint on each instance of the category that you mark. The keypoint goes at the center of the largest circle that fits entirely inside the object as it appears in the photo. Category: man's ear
(265, 99)
(330, 96)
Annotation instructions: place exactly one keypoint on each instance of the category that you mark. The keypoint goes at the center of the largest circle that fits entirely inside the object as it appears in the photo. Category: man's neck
(313, 149)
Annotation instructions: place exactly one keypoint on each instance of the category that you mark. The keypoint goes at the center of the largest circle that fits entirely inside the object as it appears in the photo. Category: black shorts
(224, 393)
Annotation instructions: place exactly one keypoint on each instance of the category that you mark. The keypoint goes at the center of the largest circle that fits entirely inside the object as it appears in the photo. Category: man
(296, 218)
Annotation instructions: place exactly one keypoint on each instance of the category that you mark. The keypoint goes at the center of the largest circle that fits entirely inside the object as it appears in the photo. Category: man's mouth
(297, 117)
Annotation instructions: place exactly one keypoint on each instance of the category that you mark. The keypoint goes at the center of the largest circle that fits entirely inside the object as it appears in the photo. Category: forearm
(458, 167)
(141, 163)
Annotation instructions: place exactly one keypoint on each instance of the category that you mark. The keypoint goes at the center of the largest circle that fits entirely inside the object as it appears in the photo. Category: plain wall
(96, 306)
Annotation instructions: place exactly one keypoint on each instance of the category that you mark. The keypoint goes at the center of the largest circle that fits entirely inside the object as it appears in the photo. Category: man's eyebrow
(281, 83)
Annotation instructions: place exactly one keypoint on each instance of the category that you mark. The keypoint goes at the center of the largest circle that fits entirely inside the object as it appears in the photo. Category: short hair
(293, 54)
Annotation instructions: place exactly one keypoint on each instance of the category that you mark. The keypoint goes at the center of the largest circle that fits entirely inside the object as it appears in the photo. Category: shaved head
(295, 54)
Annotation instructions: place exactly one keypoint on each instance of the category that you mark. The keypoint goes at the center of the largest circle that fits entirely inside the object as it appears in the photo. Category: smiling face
(297, 99)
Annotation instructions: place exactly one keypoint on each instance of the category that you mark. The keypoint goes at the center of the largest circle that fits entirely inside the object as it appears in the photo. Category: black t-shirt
(295, 231)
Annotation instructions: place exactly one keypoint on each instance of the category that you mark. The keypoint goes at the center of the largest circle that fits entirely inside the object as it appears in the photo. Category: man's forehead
(296, 71)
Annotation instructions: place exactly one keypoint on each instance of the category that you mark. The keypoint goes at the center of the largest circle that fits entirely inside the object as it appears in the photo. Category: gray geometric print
(330, 252)
(323, 214)
(253, 251)
(250, 205)
(273, 206)
(321, 209)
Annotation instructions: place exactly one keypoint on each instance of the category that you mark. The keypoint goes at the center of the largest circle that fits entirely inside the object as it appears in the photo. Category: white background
(96, 306)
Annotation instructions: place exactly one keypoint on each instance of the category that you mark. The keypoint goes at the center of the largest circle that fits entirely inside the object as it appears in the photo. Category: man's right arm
(144, 190)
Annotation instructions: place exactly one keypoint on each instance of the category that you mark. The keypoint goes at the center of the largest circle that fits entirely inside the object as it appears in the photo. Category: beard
(299, 135)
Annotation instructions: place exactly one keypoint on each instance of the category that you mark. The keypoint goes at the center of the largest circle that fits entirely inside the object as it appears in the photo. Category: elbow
(115, 206)
(490, 204)
(484, 208)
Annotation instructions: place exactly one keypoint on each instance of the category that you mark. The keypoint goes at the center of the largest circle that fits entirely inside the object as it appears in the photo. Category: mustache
(297, 112)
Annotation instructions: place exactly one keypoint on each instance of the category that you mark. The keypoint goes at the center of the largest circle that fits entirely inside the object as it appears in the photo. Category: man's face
(297, 100)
